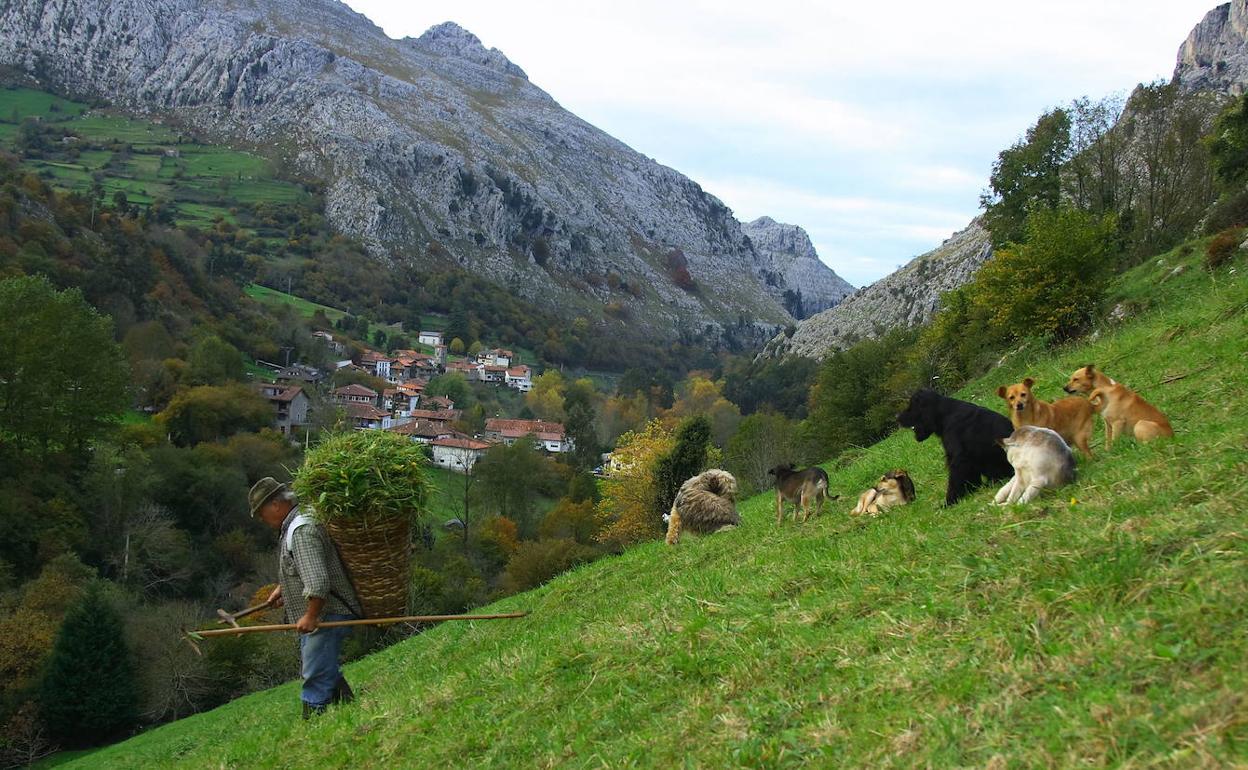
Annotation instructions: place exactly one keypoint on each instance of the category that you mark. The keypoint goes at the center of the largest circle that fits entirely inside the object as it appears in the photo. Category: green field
(306, 308)
(1102, 625)
(145, 160)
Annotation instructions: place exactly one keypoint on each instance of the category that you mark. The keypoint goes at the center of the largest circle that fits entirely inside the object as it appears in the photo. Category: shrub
(1231, 210)
(626, 509)
(535, 562)
(1223, 247)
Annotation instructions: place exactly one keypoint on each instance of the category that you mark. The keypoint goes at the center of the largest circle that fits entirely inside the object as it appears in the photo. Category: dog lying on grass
(894, 488)
(1123, 410)
(969, 434)
(1071, 417)
(799, 488)
(704, 504)
(1041, 460)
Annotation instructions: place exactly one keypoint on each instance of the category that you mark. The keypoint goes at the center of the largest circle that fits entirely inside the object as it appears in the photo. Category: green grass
(1102, 625)
(306, 308)
(102, 127)
(20, 103)
(204, 181)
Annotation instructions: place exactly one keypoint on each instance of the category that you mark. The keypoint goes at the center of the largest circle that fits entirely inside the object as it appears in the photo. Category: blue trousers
(319, 653)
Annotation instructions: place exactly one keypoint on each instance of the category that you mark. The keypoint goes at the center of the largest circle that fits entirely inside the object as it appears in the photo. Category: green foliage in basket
(363, 475)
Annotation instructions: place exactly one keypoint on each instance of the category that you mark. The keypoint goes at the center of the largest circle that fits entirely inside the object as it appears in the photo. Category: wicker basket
(377, 554)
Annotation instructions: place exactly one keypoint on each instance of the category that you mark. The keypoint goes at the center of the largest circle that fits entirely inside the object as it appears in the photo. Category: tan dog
(704, 504)
(800, 488)
(1072, 418)
(893, 488)
(1123, 410)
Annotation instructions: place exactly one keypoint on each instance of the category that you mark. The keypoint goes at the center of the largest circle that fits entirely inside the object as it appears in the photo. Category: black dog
(970, 434)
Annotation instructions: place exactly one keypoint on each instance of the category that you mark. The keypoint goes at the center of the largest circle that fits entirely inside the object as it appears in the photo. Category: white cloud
(873, 126)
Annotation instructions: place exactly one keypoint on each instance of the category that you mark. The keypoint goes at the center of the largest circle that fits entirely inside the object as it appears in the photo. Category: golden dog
(1123, 410)
(1071, 418)
(893, 488)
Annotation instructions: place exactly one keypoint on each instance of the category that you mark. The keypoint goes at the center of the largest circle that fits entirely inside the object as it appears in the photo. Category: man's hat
(262, 492)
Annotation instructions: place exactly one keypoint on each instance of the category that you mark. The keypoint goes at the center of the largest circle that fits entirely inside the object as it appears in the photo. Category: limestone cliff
(796, 275)
(434, 150)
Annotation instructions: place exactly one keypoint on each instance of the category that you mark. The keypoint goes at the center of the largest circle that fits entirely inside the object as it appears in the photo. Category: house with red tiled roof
(422, 431)
(354, 394)
(496, 357)
(470, 370)
(367, 417)
(376, 363)
(290, 405)
(439, 402)
(437, 415)
(520, 377)
(492, 372)
(458, 452)
(550, 436)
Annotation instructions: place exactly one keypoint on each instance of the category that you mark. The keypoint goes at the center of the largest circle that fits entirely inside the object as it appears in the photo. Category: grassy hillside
(145, 160)
(1102, 625)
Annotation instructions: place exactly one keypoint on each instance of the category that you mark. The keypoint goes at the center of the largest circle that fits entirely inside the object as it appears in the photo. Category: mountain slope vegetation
(1101, 625)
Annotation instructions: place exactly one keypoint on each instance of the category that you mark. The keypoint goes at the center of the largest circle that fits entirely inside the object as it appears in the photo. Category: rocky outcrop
(796, 275)
(1215, 55)
(435, 150)
(908, 297)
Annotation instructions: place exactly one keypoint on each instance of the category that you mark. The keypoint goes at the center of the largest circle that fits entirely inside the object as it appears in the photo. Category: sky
(874, 126)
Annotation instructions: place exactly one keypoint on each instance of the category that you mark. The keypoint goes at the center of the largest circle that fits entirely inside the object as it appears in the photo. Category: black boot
(309, 710)
(342, 691)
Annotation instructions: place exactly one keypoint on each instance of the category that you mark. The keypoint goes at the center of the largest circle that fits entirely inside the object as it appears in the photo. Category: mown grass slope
(1104, 624)
(145, 160)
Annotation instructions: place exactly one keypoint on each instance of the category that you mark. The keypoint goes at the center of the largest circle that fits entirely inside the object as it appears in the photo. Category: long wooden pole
(358, 622)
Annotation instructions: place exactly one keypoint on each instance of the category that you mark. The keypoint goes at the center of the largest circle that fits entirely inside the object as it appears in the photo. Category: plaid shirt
(312, 567)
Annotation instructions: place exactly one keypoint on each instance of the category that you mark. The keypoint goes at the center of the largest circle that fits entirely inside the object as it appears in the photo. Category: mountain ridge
(434, 149)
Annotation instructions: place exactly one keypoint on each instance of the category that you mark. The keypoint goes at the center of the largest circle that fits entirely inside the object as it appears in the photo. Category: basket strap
(299, 521)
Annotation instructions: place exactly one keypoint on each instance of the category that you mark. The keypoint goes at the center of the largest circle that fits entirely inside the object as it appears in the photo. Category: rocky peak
(450, 39)
(908, 297)
(1214, 57)
(790, 260)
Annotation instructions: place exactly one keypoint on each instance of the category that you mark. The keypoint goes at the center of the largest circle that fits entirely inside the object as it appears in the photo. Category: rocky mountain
(1213, 59)
(1215, 55)
(907, 297)
(797, 276)
(434, 149)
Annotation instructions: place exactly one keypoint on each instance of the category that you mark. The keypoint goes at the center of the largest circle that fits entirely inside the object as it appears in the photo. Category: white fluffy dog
(1041, 459)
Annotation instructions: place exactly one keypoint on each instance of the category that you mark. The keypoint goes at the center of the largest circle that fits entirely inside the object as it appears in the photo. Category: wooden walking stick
(200, 635)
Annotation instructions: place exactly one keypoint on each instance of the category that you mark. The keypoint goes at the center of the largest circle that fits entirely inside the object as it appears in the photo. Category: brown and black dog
(893, 488)
(799, 488)
(1123, 410)
(1072, 417)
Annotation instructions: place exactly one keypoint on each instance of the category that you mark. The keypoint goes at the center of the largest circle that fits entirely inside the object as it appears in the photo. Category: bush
(535, 562)
(1230, 211)
(211, 412)
(1223, 247)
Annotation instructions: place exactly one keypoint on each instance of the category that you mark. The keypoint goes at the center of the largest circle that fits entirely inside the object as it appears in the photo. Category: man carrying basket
(314, 587)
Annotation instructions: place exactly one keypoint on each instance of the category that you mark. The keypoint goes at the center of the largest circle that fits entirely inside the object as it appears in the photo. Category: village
(404, 408)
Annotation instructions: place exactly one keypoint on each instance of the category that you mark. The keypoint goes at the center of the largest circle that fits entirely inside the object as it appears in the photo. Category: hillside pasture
(1101, 625)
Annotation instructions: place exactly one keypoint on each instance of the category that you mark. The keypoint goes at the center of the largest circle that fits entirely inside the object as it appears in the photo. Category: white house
(457, 453)
(520, 377)
(367, 417)
(354, 394)
(377, 364)
(433, 339)
(550, 436)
